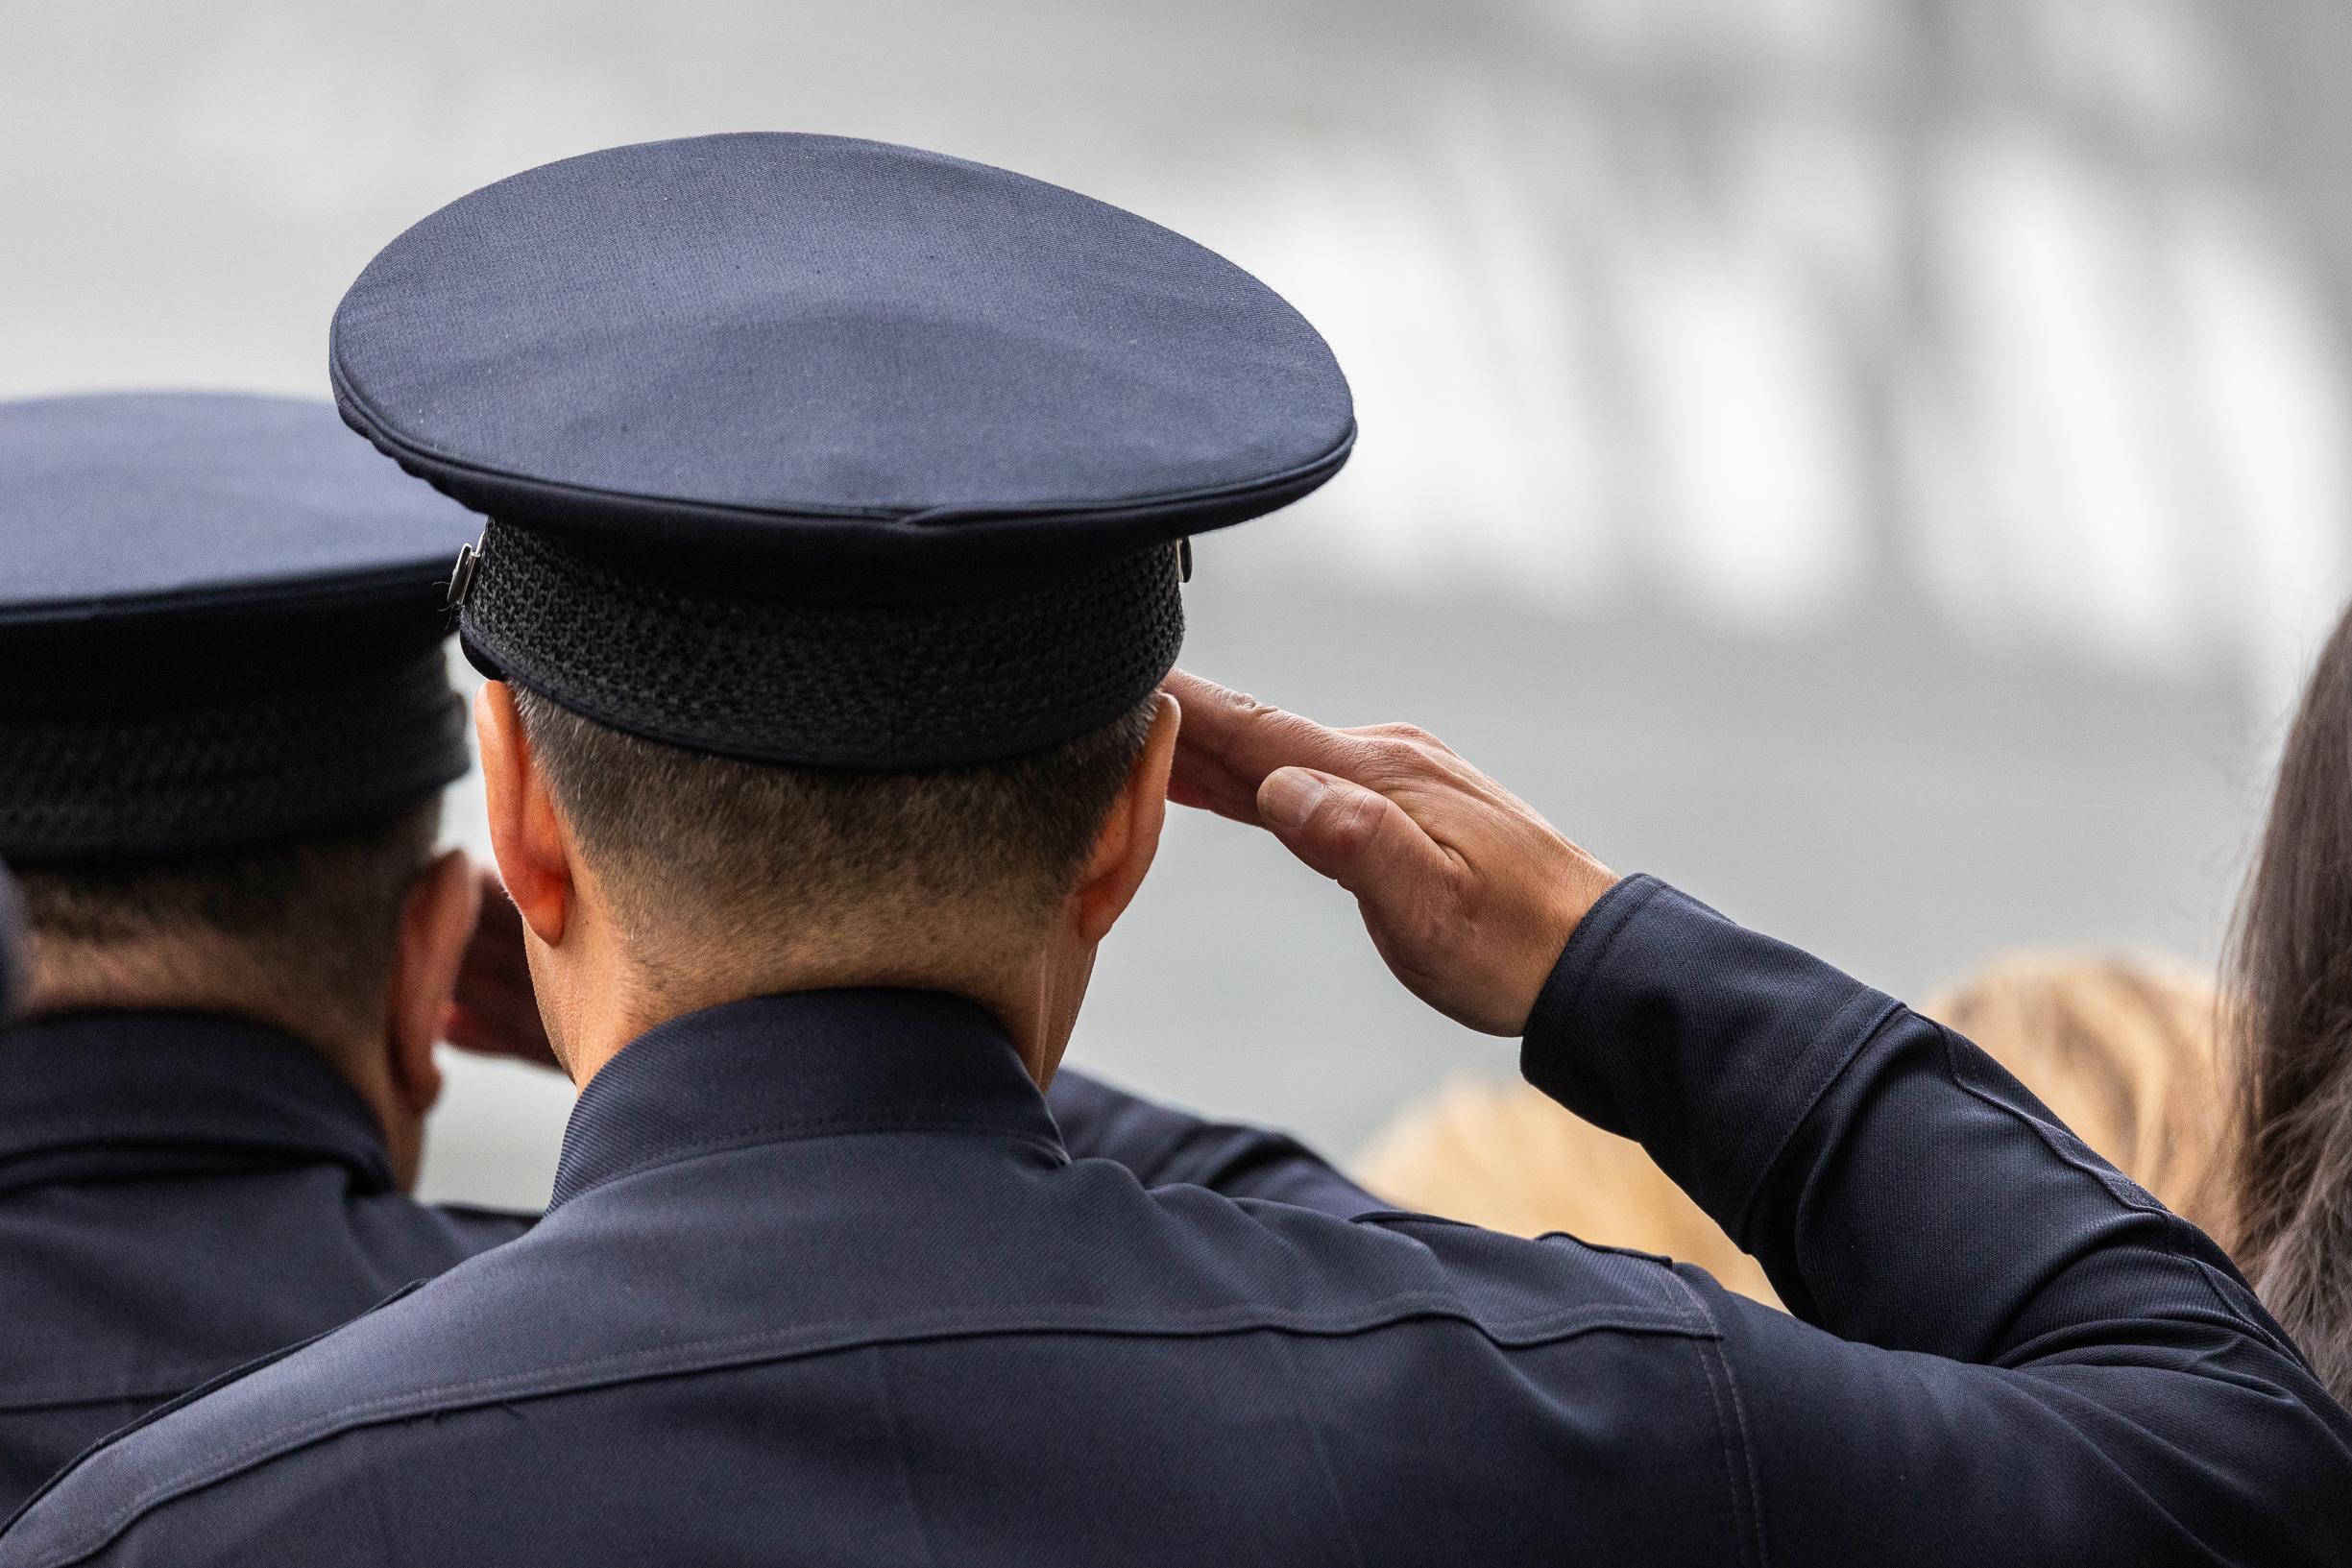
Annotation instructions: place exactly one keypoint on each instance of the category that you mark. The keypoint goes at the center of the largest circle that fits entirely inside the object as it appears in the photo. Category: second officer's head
(225, 724)
(838, 500)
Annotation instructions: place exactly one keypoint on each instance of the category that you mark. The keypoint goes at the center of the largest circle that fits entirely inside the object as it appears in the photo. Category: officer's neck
(597, 996)
(221, 983)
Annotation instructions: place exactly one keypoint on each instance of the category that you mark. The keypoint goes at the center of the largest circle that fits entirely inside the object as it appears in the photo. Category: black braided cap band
(893, 687)
(234, 774)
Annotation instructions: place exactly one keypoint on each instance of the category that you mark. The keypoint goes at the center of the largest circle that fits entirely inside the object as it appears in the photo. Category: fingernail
(1289, 796)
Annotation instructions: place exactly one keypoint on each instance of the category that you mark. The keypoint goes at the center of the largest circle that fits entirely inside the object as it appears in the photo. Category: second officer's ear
(437, 919)
(526, 834)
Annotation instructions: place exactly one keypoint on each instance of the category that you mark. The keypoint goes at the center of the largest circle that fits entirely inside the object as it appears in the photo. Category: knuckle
(1266, 716)
(1431, 920)
(1404, 741)
(1351, 817)
(1241, 705)
(1392, 760)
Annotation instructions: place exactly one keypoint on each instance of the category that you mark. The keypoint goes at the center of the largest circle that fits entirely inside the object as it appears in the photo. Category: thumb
(1356, 837)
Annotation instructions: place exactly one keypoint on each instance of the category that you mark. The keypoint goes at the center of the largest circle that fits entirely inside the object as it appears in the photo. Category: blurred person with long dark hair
(2290, 974)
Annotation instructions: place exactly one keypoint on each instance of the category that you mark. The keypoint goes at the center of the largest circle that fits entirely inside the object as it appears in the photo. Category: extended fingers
(1356, 837)
(1228, 743)
(495, 1011)
(1246, 739)
(1203, 783)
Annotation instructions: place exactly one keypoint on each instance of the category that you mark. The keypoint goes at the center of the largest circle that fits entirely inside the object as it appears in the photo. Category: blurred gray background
(1881, 464)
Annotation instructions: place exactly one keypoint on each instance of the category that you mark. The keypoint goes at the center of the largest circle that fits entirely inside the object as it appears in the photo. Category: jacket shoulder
(597, 1296)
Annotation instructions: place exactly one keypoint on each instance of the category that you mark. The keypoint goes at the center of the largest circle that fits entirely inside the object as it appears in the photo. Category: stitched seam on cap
(382, 433)
(307, 591)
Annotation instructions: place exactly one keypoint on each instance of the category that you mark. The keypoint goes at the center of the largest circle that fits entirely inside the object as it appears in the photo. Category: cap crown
(827, 367)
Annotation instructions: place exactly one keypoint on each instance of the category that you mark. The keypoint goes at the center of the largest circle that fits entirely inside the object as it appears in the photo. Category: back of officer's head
(304, 936)
(702, 857)
(657, 880)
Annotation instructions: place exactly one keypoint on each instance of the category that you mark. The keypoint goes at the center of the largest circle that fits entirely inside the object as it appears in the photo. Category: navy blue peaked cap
(827, 451)
(220, 626)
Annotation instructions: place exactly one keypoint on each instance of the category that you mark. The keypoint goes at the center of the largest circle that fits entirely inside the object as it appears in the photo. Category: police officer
(225, 727)
(832, 579)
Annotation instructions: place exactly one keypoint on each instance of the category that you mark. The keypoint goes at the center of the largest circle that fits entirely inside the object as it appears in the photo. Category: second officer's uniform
(833, 453)
(219, 633)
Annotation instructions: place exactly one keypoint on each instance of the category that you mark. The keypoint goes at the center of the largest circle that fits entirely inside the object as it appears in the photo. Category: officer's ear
(437, 919)
(1124, 849)
(525, 833)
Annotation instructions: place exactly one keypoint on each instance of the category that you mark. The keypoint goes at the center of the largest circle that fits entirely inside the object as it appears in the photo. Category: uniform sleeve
(2001, 1350)
(1164, 1148)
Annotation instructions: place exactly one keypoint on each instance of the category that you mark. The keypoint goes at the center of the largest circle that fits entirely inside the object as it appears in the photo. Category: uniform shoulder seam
(768, 1345)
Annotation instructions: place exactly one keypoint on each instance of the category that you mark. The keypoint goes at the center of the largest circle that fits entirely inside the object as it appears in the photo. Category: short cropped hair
(305, 931)
(688, 844)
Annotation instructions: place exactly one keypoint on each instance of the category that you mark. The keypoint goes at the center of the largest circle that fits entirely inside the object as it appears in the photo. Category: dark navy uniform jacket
(180, 1194)
(822, 1285)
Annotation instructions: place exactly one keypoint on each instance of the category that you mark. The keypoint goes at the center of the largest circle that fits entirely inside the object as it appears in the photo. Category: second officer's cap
(221, 627)
(829, 452)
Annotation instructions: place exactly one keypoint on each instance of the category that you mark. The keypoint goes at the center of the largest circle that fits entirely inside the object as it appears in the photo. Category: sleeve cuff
(1553, 1019)
(1704, 1042)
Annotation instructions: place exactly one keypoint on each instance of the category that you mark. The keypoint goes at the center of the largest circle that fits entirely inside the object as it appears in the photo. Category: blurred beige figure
(1503, 1156)
(2121, 1049)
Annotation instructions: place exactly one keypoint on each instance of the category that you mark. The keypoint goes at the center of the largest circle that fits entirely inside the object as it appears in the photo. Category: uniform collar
(130, 1093)
(813, 1064)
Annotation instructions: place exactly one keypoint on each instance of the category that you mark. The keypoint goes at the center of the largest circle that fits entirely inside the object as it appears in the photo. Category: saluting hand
(1469, 895)
(496, 1011)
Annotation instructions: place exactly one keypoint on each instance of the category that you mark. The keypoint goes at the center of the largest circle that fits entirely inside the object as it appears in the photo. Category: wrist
(1591, 903)
(1567, 897)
